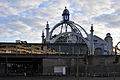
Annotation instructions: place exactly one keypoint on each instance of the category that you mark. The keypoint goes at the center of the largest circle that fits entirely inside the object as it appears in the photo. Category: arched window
(98, 51)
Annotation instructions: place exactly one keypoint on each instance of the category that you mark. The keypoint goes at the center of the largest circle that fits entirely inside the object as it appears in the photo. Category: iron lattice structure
(70, 32)
(67, 31)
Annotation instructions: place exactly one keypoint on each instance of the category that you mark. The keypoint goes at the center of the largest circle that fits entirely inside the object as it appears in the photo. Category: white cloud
(14, 7)
(24, 19)
(92, 8)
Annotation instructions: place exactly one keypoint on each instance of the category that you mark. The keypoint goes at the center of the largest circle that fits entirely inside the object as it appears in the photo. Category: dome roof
(65, 12)
(108, 34)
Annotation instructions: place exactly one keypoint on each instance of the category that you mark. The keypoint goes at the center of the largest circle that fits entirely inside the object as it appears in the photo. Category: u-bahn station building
(71, 52)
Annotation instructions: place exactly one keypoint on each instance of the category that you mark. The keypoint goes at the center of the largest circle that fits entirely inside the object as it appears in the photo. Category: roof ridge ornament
(47, 22)
(65, 7)
(65, 14)
(91, 24)
(91, 28)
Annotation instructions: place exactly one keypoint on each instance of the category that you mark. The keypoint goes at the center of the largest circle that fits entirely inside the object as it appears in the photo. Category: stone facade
(100, 65)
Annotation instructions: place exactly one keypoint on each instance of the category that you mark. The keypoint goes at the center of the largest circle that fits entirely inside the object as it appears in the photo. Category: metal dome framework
(76, 30)
(73, 33)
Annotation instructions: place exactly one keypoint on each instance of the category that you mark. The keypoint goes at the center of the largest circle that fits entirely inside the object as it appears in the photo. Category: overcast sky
(26, 19)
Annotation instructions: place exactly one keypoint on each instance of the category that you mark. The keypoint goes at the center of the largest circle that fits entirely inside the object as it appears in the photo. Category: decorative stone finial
(47, 22)
(91, 28)
(65, 7)
(92, 25)
(43, 31)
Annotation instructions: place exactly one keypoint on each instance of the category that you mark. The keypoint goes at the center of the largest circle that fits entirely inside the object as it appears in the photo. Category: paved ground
(56, 78)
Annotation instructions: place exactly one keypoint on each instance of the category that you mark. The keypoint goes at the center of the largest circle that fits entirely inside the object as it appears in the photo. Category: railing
(43, 48)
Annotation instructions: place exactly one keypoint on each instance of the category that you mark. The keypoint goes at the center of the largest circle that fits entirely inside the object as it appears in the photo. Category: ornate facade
(71, 32)
(69, 52)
